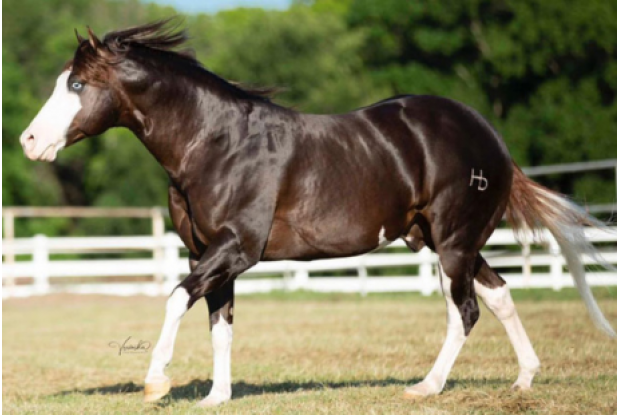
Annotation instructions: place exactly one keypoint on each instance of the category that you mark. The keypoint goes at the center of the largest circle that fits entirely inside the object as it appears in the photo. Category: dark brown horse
(251, 181)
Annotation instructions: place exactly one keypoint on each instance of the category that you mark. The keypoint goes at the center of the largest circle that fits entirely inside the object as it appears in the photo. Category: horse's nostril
(29, 142)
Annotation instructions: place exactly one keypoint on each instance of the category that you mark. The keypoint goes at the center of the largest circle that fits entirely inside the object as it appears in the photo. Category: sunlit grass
(311, 353)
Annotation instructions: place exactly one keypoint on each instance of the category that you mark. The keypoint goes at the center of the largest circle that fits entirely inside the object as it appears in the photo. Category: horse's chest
(205, 216)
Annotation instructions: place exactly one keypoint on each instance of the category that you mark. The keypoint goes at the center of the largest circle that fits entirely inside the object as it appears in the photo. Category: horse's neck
(178, 122)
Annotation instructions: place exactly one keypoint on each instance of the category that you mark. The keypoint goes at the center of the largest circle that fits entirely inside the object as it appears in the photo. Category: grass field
(304, 353)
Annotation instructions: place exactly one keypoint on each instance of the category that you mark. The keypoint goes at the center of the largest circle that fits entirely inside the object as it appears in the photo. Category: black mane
(167, 35)
(163, 35)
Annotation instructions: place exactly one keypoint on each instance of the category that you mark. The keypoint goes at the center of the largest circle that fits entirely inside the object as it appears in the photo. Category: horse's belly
(288, 241)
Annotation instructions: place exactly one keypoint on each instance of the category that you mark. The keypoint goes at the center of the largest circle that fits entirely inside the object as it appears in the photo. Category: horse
(250, 181)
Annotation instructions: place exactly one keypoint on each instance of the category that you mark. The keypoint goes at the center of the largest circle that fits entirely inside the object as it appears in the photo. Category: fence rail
(571, 167)
(537, 264)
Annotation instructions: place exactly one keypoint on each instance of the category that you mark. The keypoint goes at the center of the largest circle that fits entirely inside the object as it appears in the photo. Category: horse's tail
(532, 206)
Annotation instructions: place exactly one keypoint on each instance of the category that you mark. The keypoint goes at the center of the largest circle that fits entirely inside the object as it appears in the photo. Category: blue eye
(77, 86)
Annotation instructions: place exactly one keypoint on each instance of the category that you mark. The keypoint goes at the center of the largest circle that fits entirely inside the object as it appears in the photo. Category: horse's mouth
(50, 153)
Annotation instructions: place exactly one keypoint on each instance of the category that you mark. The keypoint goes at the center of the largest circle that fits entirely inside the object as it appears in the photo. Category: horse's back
(436, 140)
(438, 124)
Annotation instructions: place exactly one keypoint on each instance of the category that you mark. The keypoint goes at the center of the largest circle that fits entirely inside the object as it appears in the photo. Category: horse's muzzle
(37, 149)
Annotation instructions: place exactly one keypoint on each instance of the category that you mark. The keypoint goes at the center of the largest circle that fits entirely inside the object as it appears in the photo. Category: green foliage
(543, 72)
(313, 56)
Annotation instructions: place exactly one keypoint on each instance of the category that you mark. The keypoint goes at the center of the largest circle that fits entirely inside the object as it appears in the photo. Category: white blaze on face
(47, 133)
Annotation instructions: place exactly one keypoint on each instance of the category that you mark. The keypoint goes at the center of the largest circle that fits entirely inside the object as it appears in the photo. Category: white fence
(538, 264)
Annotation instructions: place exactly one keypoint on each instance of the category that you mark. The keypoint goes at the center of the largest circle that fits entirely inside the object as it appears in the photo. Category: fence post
(555, 267)
(9, 254)
(171, 261)
(300, 279)
(426, 272)
(526, 252)
(362, 273)
(159, 229)
(40, 260)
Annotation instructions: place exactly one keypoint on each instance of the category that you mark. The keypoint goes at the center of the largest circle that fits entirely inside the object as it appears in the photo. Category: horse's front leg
(220, 304)
(157, 384)
(230, 252)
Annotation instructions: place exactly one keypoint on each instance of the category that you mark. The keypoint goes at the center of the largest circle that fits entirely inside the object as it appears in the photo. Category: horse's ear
(79, 37)
(93, 40)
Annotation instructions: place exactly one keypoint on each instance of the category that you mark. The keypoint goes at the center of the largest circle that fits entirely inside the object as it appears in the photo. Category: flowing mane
(167, 35)
(163, 35)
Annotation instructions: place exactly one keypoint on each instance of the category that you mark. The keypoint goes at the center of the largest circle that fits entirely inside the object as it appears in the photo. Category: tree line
(543, 73)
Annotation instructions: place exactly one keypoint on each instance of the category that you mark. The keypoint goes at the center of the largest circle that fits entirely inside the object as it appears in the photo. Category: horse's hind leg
(457, 274)
(461, 267)
(496, 296)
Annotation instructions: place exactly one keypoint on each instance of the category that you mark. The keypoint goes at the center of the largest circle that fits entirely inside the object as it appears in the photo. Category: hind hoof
(155, 391)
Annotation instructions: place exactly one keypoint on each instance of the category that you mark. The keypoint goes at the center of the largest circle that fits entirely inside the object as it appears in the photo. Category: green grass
(304, 353)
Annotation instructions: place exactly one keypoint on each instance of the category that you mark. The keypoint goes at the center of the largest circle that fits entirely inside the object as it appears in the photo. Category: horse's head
(83, 104)
(92, 92)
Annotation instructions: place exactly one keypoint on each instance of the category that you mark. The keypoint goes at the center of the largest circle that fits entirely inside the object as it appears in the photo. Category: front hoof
(213, 399)
(520, 386)
(155, 391)
(420, 390)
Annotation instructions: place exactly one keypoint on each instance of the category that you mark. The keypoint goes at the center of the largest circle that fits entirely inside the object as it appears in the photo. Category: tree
(313, 56)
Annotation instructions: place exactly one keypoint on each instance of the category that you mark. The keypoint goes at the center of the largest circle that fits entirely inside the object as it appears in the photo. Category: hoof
(413, 396)
(521, 387)
(419, 391)
(155, 391)
(212, 400)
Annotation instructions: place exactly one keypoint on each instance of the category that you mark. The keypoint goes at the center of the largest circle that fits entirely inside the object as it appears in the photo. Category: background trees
(543, 72)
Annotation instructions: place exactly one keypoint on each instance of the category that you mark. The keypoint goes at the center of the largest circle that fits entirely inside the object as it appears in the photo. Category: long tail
(532, 206)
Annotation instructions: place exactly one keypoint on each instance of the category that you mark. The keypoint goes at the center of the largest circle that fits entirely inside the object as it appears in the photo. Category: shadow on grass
(198, 389)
